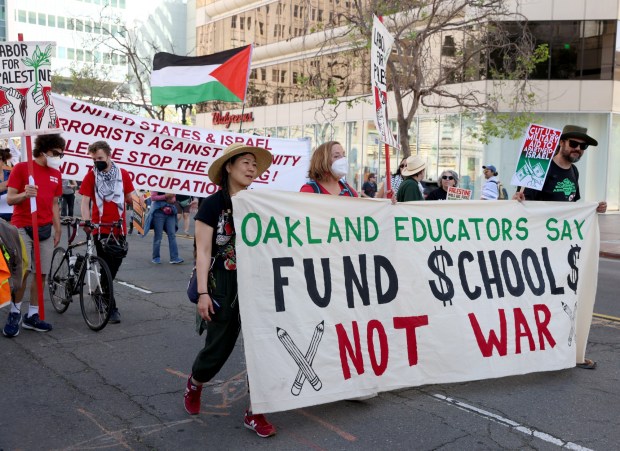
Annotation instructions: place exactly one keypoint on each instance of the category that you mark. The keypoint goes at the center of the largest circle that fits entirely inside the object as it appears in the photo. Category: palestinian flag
(179, 80)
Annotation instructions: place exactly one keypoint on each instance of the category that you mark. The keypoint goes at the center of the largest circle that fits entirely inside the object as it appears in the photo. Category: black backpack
(502, 193)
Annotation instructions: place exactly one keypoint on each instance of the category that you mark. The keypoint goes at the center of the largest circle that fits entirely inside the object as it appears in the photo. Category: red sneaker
(259, 424)
(192, 397)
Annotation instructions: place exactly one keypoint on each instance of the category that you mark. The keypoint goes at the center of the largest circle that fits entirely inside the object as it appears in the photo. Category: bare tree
(470, 56)
(89, 83)
(109, 35)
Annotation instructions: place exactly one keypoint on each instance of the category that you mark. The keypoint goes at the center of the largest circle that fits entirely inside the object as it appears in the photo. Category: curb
(606, 254)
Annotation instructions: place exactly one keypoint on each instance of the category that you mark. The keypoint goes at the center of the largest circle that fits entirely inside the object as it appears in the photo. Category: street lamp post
(184, 109)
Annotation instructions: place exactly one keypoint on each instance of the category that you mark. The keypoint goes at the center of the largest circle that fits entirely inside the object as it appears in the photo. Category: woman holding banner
(328, 166)
(216, 272)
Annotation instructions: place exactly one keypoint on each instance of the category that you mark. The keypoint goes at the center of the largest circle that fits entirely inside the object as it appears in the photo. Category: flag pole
(35, 229)
(242, 110)
(35, 221)
(388, 178)
(247, 82)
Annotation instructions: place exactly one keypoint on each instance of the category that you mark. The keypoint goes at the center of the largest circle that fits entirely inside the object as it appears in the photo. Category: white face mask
(340, 167)
(53, 162)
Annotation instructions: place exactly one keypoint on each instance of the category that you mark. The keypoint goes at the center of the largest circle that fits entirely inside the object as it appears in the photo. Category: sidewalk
(610, 235)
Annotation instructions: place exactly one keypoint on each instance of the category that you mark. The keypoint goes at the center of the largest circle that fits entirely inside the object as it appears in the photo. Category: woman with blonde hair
(328, 166)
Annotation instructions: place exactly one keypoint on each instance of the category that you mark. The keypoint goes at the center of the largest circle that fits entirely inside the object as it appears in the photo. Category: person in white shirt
(490, 189)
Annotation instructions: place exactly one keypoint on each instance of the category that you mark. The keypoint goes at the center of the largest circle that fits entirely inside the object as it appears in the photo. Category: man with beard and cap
(109, 189)
(562, 182)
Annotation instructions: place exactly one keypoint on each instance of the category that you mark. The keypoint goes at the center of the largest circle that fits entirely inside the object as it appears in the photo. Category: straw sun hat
(263, 160)
(415, 164)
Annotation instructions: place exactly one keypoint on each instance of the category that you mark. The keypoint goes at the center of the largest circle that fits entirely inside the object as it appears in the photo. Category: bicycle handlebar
(69, 220)
(75, 222)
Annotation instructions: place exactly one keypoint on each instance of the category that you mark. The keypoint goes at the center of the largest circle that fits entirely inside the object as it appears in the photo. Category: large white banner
(341, 298)
(380, 51)
(162, 156)
(25, 88)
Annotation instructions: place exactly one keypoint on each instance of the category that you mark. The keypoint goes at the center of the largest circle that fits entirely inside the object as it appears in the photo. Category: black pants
(222, 330)
(68, 200)
(114, 263)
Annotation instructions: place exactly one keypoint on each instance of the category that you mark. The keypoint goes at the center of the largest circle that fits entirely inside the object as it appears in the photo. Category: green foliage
(488, 43)
(87, 83)
(500, 125)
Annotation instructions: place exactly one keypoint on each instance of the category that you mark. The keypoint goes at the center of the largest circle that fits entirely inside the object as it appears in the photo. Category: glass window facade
(578, 50)
(3, 20)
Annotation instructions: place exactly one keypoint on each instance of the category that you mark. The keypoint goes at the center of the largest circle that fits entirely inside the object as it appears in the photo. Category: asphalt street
(122, 388)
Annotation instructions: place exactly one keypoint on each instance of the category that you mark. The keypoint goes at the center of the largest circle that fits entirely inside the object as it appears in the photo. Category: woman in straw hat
(328, 166)
(218, 306)
(411, 188)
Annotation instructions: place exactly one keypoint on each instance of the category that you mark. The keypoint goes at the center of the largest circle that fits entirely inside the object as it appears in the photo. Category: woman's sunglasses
(447, 177)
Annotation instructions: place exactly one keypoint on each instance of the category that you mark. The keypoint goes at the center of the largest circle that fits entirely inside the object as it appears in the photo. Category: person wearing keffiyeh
(108, 189)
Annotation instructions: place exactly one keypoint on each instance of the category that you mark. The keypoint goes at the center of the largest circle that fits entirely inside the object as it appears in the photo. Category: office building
(578, 84)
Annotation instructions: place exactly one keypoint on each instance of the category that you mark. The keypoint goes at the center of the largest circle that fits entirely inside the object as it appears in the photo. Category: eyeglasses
(574, 144)
(447, 177)
(55, 154)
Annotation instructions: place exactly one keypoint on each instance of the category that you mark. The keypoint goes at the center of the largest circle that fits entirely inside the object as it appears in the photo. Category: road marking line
(345, 435)
(177, 373)
(127, 284)
(609, 317)
(512, 424)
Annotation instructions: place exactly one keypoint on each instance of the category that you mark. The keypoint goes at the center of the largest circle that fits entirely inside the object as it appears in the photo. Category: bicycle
(72, 273)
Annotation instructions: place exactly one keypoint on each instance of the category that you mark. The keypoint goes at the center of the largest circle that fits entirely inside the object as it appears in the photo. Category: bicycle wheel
(59, 281)
(96, 293)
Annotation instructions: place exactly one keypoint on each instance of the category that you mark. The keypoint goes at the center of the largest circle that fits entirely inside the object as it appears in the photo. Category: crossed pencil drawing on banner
(571, 315)
(304, 362)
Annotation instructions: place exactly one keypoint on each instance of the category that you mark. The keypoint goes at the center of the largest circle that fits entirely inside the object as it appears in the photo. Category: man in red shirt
(46, 189)
(108, 188)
